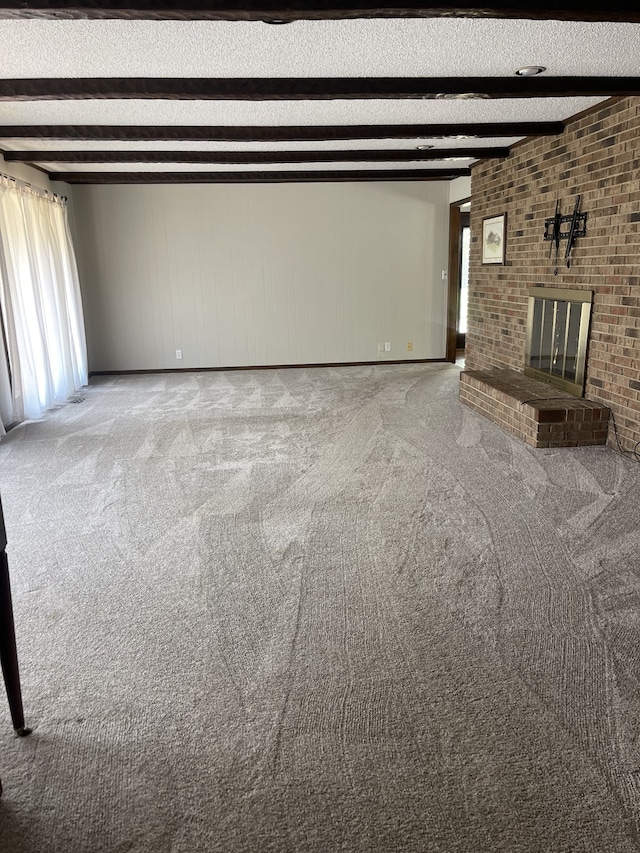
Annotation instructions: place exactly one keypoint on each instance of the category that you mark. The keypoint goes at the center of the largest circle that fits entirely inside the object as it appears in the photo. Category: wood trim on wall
(266, 366)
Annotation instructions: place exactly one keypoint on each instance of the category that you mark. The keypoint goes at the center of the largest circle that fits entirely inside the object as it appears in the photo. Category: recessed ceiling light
(276, 21)
(530, 70)
(424, 147)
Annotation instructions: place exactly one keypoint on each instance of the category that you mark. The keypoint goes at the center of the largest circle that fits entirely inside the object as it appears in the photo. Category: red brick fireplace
(597, 157)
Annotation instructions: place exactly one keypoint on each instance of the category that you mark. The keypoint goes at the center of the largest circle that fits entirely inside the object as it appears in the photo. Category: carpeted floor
(317, 610)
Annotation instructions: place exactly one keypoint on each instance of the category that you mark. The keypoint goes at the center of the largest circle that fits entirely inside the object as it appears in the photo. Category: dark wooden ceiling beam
(274, 11)
(311, 88)
(278, 133)
(258, 157)
(271, 177)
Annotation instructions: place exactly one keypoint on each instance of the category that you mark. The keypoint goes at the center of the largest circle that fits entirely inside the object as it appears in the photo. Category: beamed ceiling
(124, 91)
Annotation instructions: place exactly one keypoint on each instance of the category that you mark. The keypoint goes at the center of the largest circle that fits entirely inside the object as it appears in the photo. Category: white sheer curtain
(45, 354)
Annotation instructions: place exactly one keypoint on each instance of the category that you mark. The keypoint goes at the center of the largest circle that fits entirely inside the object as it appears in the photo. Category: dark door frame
(453, 300)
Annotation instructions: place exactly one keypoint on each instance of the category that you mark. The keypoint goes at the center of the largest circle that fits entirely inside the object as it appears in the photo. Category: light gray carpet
(317, 610)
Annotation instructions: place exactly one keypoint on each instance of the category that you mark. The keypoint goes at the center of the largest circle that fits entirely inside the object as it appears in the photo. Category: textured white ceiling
(181, 145)
(360, 48)
(271, 167)
(448, 47)
(289, 112)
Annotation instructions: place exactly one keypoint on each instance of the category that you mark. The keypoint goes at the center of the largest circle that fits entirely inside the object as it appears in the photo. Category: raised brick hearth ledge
(536, 412)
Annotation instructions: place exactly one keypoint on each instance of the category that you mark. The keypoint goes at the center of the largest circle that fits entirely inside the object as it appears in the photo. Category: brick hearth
(534, 411)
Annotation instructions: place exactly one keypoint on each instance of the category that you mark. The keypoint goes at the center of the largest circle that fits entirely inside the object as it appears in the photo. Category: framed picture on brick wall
(494, 232)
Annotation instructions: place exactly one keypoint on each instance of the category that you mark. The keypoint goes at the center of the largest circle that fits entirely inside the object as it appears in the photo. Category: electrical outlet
(387, 346)
(178, 353)
(410, 346)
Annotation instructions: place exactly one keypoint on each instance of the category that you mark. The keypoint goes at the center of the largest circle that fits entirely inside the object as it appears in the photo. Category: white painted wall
(460, 189)
(261, 274)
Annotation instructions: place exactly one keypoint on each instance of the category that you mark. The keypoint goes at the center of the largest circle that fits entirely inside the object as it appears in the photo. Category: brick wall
(598, 156)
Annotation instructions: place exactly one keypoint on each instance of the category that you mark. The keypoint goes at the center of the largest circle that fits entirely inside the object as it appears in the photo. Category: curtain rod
(20, 182)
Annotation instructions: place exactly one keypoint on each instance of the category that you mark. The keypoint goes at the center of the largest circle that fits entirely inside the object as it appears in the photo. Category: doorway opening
(459, 246)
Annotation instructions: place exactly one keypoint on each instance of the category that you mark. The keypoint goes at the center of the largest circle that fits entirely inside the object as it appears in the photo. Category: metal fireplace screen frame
(557, 335)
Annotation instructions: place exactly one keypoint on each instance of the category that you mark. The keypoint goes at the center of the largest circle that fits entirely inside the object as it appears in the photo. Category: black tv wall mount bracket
(553, 230)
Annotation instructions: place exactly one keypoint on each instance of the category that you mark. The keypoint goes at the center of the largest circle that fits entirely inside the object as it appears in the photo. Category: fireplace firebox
(557, 335)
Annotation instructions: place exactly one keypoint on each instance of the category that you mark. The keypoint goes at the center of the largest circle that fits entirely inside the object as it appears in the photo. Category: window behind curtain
(44, 355)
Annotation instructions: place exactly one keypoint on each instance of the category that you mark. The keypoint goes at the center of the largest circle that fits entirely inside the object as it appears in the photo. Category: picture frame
(494, 233)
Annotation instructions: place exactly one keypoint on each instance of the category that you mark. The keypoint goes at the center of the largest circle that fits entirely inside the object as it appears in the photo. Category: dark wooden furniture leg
(8, 651)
